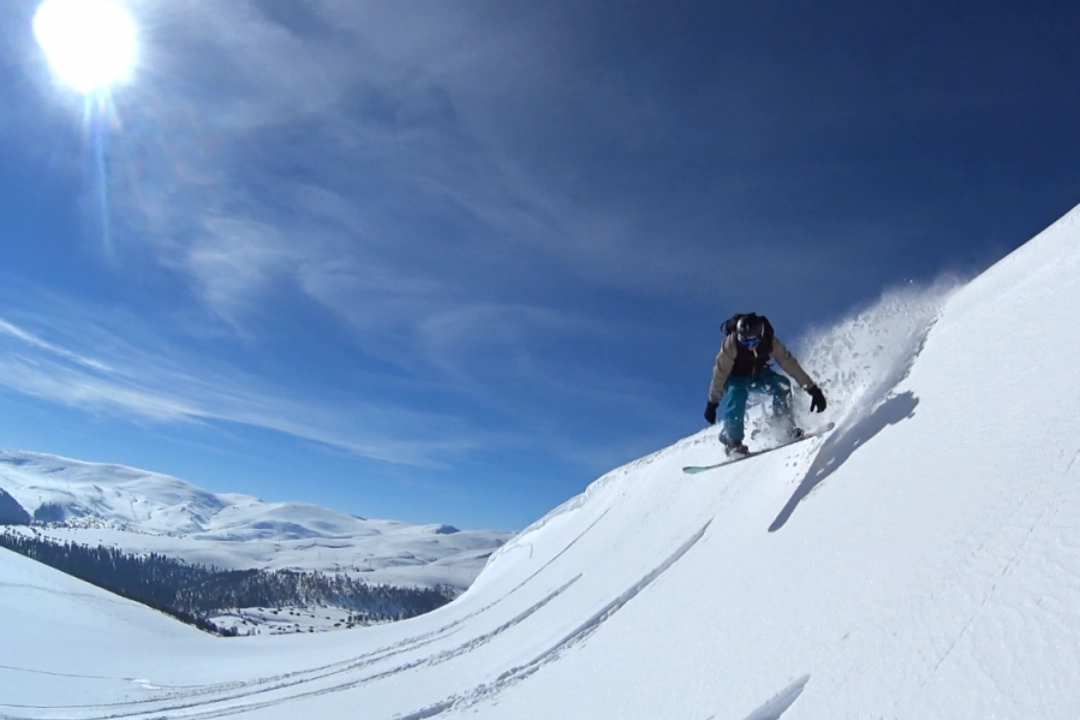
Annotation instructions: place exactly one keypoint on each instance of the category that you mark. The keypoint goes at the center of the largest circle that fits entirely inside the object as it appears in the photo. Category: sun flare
(90, 44)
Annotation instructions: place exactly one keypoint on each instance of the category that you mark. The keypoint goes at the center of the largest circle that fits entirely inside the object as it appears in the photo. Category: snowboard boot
(735, 448)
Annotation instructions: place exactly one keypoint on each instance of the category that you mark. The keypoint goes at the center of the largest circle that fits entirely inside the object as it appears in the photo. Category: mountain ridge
(141, 510)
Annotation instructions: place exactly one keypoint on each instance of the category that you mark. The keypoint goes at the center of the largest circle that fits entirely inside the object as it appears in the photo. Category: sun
(91, 44)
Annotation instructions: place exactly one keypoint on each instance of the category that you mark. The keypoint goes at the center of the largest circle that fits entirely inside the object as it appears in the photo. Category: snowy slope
(922, 561)
(148, 512)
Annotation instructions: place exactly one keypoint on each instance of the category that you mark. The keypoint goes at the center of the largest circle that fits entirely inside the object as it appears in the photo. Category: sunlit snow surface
(923, 561)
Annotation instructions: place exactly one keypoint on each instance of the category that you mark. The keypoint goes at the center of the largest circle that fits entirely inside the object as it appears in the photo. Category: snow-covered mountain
(143, 511)
(11, 512)
(921, 561)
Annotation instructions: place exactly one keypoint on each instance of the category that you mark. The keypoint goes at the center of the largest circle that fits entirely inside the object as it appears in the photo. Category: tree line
(192, 592)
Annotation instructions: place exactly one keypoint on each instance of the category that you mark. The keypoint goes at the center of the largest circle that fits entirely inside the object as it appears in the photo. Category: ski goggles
(749, 341)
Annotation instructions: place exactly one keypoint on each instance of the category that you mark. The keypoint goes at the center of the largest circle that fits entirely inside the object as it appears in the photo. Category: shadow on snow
(843, 443)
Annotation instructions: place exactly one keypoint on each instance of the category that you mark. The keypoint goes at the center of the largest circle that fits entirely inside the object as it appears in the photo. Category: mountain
(142, 511)
(921, 561)
(11, 512)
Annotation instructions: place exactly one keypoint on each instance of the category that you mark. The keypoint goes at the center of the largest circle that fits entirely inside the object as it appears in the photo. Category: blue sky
(450, 261)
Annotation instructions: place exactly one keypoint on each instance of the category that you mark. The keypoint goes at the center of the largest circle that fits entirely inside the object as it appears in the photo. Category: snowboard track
(203, 711)
(516, 674)
(182, 698)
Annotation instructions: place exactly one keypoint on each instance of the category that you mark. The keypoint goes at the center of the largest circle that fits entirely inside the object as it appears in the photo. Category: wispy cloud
(158, 385)
(36, 342)
(360, 145)
(442, 189)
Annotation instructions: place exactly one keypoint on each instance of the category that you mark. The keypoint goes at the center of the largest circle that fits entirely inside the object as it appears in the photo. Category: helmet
(749, 330)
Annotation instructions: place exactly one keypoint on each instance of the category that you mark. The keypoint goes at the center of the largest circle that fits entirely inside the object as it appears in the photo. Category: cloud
(137, 371)
(233, 261)
(159, 383)
(439, 192)
(59, 383)
(36, 342)
(387, 144)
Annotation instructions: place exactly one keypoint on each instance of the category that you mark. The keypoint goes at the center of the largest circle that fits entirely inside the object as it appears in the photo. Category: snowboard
(694, 469)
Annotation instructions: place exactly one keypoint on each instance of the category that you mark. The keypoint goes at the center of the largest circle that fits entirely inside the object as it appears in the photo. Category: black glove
(710, 413)
(817, 399)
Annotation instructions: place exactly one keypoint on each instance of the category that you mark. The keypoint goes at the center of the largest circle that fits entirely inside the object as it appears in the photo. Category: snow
(921, 561)
(141, 512)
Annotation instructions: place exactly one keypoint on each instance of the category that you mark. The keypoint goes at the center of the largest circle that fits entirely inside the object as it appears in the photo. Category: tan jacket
(725, 361)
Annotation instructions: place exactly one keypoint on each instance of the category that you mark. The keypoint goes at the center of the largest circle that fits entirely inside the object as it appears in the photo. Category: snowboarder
(742, 365)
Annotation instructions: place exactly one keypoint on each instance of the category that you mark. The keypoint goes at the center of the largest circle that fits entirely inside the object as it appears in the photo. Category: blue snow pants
(736, 392)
